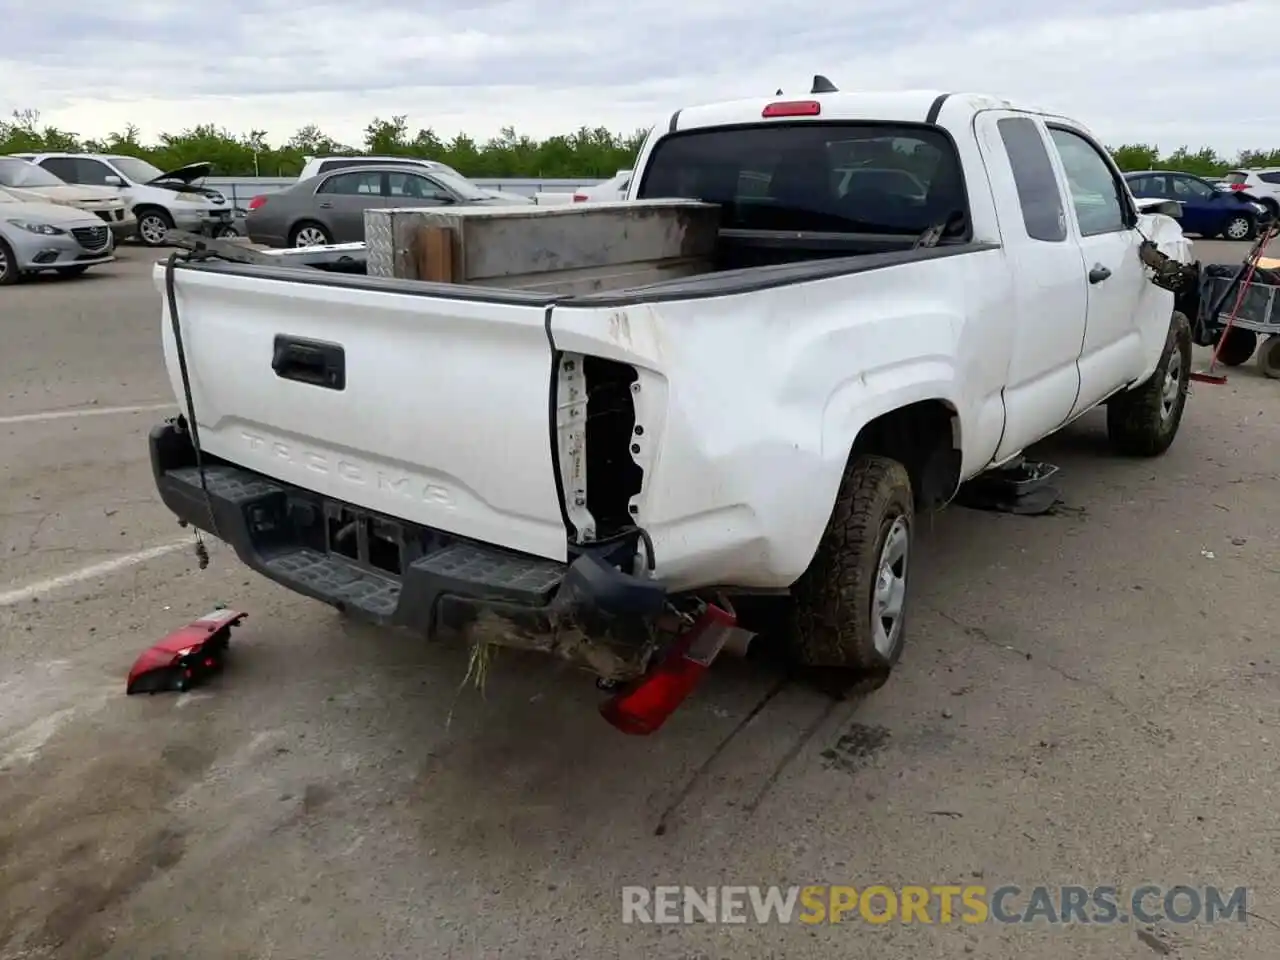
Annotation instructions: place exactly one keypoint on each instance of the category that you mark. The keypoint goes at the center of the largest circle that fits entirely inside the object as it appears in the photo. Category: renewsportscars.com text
(940, 904)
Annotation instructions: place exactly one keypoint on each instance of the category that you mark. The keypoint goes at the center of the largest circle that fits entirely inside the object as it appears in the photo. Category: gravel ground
(1087, 698)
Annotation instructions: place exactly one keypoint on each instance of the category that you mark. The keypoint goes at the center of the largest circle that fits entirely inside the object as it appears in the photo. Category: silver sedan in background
(36, 236)
(329, 208)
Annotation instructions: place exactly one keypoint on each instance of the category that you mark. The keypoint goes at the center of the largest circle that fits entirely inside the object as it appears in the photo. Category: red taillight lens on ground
(257, 202)
(645, 705)
(579, 198)
(792, 108)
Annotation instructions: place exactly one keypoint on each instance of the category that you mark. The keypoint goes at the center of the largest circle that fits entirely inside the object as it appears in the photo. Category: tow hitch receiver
(644, 705)
(185, 657)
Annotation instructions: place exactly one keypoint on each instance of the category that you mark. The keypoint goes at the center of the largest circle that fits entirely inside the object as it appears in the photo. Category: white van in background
(160, 200)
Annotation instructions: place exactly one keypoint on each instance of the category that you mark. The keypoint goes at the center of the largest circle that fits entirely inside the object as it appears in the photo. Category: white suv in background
(161, 200)
(1263, 183)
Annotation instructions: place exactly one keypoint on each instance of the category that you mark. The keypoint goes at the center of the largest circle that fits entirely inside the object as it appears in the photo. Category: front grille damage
(599, 441)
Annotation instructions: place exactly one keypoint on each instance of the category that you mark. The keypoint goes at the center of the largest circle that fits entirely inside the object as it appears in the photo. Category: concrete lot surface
(1087, 698)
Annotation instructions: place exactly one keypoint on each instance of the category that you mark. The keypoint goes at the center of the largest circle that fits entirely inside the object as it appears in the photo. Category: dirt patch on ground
(77, 838)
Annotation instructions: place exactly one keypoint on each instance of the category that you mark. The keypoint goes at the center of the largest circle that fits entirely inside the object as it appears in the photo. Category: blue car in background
(1206, 210)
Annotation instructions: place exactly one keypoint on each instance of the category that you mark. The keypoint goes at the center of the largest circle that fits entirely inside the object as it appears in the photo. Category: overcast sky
(1164, 71)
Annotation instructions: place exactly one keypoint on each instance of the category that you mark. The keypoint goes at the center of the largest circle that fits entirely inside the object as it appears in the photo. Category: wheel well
(142, 208)
(925, 438)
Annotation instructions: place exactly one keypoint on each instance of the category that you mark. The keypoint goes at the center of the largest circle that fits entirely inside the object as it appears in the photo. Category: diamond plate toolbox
(379, 238)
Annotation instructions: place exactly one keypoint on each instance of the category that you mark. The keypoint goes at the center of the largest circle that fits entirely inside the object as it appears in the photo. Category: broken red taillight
(645, 705)
(792, 108)
(258, 201)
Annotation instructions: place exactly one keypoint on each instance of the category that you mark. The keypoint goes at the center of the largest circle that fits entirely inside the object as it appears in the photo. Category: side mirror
(111, 180)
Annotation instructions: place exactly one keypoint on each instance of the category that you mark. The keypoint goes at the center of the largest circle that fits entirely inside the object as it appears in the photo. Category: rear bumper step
(391, 572)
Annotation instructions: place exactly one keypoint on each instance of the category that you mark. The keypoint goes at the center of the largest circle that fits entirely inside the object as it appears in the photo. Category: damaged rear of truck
(599, 474)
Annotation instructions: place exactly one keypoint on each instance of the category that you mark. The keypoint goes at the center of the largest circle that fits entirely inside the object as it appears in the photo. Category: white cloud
(1167, 71)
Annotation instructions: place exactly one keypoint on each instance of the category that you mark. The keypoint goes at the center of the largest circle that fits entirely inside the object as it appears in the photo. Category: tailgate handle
(310, 361)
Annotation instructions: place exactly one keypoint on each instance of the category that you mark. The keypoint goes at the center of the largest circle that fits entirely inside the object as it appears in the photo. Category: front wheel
(849, 608)
(1142, 422)
(154, 226)
(1240, 227)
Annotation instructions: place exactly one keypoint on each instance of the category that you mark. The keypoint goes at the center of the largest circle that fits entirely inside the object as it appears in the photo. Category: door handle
(326, 204)
(310, 361)
(1099, 273)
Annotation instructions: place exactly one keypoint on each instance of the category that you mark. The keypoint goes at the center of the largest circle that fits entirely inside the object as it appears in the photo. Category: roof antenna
(779, 93)
(822, 85)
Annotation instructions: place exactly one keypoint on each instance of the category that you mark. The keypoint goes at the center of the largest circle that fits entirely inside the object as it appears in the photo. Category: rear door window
(1043, 212)
(894, 179)
(367, 183)
(62, 167)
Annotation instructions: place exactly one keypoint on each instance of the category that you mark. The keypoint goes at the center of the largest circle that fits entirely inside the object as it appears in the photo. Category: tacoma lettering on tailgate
(352, 471)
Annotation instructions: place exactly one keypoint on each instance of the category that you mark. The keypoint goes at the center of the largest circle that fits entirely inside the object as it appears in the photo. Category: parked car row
(1207, 210)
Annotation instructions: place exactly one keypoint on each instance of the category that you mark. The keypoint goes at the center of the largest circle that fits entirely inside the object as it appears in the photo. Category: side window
(364, 184)
(92, 172)
(1095, 192)
(62, 167)
(1043, 214)
(1151, 188)
(1269, 177)
(1188, 188)
(416, 187)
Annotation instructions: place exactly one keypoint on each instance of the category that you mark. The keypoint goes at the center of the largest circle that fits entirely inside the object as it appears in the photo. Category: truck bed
(587, 249)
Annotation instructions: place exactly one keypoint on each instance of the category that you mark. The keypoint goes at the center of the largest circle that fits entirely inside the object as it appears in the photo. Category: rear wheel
(1240, 227)
(1142, 422)
(849, 607)
(1269, 358)
(8, 264)
(154, 225)
(1238, 347)
(309, 234)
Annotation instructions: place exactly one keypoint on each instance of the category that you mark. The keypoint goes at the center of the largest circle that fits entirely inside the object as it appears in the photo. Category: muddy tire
(1238, 348)
(1269, 357)
(1142, 422)
(848, 609)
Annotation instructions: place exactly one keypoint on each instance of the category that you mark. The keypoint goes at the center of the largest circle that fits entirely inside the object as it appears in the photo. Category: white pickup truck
(570, 471)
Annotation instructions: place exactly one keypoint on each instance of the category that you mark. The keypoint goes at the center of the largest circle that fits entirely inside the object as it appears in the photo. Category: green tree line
(589, 153)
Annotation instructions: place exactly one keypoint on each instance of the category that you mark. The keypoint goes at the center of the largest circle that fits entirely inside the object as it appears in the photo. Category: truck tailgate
(373, 396)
